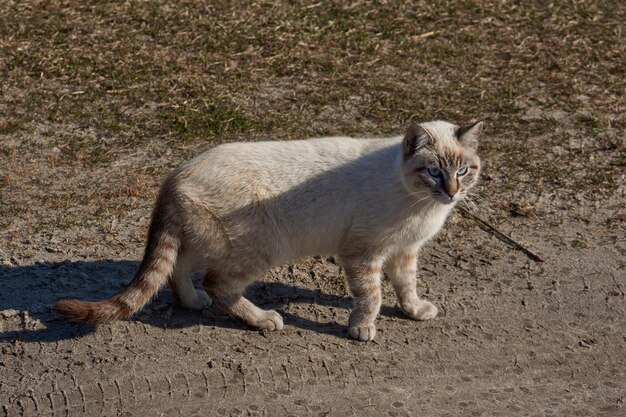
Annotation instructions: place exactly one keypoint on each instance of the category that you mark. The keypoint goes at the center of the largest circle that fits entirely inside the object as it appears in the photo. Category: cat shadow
(28, 292)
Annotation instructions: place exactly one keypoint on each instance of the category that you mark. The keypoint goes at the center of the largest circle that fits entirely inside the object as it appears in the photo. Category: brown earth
(100, 100)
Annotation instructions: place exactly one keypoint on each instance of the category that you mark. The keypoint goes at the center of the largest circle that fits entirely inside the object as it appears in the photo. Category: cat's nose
(451, 188)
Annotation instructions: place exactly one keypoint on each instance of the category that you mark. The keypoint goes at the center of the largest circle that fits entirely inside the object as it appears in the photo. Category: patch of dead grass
(112, 80)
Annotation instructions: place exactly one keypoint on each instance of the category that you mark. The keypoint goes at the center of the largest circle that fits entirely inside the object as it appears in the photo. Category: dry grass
(96, 94)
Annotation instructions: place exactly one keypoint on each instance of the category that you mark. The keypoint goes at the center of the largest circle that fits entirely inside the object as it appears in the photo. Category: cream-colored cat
(240, 209)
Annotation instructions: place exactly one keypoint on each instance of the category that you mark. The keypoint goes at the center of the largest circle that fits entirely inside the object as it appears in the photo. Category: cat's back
(325, 151)
(280, 164)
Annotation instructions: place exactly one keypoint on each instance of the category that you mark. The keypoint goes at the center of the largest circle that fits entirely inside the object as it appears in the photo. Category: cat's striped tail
(156, 267)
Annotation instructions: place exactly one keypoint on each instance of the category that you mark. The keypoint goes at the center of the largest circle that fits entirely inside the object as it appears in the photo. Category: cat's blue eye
(434, 172)
(461, 171)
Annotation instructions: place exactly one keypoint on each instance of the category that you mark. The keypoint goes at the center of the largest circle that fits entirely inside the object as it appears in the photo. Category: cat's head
(440, 160)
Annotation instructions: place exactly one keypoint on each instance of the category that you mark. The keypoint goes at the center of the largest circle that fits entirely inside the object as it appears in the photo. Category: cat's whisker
(470, 197)
(421, 199)
(469, 204)
(420, 193)
(474, 195)
(415, 203)
(411, 207)
(425, 207)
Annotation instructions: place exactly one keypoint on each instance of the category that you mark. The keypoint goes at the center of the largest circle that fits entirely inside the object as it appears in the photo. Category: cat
(239, 209)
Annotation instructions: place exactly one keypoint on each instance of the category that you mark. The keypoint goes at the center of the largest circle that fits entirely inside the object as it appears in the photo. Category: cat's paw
(365, 333)
(419, 310)
(199, 302)
(270, 321)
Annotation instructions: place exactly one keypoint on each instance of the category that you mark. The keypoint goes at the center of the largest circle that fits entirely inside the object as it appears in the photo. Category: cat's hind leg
(182, 285)
(402, 271)
(364, 282)
(227, 293)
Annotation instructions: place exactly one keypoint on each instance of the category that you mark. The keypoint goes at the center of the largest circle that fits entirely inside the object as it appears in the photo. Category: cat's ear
(416, 137)
(468, 135)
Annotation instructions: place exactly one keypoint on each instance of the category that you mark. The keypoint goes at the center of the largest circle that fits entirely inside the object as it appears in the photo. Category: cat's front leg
(364, 282)
(402, 271)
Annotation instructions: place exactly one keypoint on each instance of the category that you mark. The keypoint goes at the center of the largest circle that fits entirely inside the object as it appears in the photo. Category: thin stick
(532, 255)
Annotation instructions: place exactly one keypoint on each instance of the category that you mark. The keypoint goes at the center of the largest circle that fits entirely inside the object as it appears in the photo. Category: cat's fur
(240, 209)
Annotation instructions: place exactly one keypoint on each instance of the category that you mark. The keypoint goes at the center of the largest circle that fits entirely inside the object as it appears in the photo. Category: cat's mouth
(445, 198)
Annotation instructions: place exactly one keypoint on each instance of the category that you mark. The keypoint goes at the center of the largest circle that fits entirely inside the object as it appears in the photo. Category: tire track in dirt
(68, 395)
(223, 386)
(226, 382)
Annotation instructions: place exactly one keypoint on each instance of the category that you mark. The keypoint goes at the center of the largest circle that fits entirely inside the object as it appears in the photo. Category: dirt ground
(100, 100)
